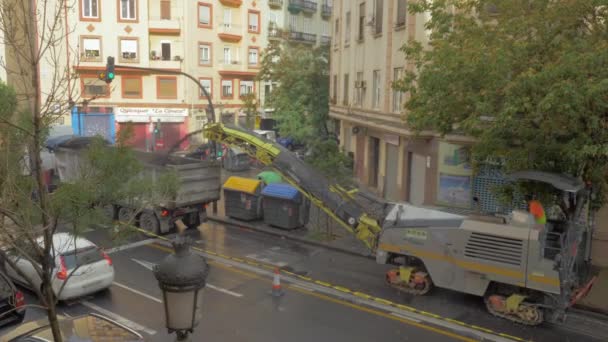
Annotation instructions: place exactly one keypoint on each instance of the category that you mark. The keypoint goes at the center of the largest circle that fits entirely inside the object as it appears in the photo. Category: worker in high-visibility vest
(537, 210)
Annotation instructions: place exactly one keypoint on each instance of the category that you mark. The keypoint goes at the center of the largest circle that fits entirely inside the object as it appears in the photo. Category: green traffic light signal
(219, 153)
(111, 75)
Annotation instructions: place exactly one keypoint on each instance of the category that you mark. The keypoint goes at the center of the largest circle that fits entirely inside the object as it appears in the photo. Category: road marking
(130, 246)
(118, 318)
(138, 292)
(405, 317)
(239, 295)
(358, 300)
(150, 266)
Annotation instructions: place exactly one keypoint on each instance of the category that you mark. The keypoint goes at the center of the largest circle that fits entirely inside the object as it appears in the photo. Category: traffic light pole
(173, 72)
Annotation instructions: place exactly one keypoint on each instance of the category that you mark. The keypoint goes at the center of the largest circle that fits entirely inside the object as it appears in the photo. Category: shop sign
(133, 114)
(392, 139)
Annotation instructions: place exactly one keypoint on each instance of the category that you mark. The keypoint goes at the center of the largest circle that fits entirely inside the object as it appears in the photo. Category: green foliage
(301, 98)
(325, 156)
(528, 81)
(250, 106)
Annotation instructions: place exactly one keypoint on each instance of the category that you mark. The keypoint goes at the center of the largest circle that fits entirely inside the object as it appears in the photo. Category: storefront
(454, 176)
(93, 121)
(154, 129)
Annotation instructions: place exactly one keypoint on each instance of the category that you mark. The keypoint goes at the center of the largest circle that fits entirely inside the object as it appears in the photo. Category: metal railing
(326, 10)
(230, 62)
(304, 5)
(303, 37)
(275, 3)
(325, 40)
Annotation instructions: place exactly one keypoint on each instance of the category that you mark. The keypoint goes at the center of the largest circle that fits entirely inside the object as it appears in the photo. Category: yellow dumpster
(242, 198)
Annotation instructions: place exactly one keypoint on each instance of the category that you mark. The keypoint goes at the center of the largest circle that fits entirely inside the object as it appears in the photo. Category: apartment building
(389, 159)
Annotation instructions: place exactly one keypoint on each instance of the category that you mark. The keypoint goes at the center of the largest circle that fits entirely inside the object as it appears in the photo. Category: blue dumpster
(284, 206)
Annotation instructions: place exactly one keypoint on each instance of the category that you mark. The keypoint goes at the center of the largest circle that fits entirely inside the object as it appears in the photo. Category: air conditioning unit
(363, 84)
(359, 130)
(357, 84)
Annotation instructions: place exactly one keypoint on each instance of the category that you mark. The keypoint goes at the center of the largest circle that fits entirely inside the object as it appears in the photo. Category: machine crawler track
(527, 313)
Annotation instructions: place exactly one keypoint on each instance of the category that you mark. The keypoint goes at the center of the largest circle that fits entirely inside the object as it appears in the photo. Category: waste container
(242, 198)
(269, 177)
(284, 206)
(236, 160)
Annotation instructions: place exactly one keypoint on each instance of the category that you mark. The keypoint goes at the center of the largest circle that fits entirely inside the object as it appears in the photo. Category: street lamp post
(181, 278)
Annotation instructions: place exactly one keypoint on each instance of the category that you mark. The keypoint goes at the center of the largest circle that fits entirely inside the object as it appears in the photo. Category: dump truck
(525, 272)
(199, 184)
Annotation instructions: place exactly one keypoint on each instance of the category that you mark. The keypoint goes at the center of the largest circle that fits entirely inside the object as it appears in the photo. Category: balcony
(275, 3)
(308, 38)
(166, 64)
(325, 40)
(306, 6)
(230, 63)
(229, 32)
(274, 32)
(326, 11)
(232, 3)
(172, 26)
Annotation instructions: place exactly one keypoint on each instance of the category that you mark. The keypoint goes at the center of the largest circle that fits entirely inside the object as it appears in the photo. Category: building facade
(389, 159)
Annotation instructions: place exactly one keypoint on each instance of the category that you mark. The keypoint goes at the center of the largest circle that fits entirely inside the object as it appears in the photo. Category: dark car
(12, 302)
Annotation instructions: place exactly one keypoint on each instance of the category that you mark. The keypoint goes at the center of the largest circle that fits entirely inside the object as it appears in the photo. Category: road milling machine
(524, 271)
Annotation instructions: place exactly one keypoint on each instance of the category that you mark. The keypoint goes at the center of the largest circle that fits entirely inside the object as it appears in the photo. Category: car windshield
(82, 256)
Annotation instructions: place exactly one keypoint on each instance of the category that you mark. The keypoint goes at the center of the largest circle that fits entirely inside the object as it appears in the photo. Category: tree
(301, 103)
(250, 106)
(527, 79)
(42, 90)
(301, 98)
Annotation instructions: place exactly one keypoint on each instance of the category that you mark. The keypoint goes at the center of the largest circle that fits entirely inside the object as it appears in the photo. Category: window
(227, 18)
(307, 25)
(293, 22)
(335, 91)
(378, 16)
(204, 15)
(347, 28)
(401, 12)
(254, 21)
(273, 18)
(376, 89)
(166, 87)
(253, 56)
(346, 86)
(165, 49)
(128, 10)
(227, 88)
(337, 32)
(206, 83)
(204, 54)
(91, 49)
(128, 50)
(359, 89)
(131, 87)
(165, 9)
(361, 21)
(91, 86)
(227, 55)
(90, 9)
(397, 95)
(246, 88)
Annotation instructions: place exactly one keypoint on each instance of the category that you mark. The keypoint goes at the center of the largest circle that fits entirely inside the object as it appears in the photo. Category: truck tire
(149, 222)
(124, 214)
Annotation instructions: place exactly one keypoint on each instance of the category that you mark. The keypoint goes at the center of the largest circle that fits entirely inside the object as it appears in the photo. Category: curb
(286, 236)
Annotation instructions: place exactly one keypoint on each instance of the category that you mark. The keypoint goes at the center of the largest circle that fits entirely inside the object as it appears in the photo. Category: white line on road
(405, 317)
(150, 266)
(239, 295)
(118, 318)
(131, 245)
(138, 292)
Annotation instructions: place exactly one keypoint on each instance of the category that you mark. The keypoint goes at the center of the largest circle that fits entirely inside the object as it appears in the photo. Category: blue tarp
(280, 190)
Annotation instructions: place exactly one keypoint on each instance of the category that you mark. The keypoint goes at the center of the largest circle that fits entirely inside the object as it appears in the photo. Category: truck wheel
(149, 222)
(124, 214)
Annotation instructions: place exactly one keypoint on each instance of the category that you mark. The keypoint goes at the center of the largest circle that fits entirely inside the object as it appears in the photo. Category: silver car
(81, 268)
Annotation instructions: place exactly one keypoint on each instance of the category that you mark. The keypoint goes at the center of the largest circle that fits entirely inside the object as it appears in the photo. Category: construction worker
(537, 210)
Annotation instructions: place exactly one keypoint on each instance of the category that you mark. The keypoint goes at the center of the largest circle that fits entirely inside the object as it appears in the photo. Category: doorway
(166, 51)
(416, 178)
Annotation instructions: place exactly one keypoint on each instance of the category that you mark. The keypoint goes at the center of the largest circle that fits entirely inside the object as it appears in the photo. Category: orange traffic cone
(276, 284)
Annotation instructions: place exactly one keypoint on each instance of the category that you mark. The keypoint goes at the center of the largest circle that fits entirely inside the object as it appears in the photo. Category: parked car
(81, 268)
(12, 302)
(90, 327)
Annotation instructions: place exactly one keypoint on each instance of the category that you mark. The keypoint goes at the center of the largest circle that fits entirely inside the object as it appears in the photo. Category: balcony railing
(275, 33)
(326, 11)
(227, 62)
(230, 32)
(303, 37)
(275, 3)
(302, 5)
(231, 3)
(325, 40)
(158, 24)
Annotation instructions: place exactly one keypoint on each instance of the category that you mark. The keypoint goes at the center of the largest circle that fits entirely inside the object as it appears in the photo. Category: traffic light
(109, 74)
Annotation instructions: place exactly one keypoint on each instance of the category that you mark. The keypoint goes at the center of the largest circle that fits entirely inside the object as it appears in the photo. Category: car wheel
(149, 222)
